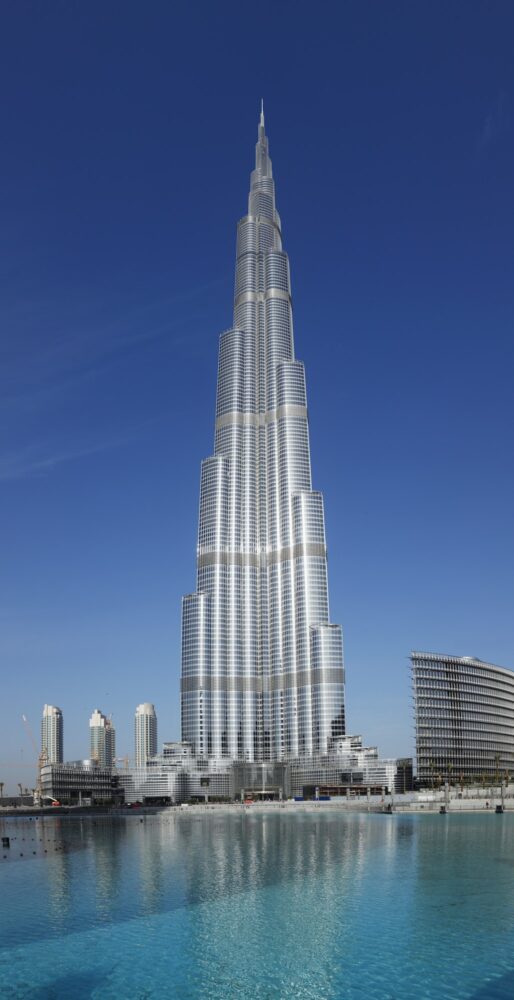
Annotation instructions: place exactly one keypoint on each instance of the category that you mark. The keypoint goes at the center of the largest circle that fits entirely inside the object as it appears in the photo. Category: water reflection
(152, 847)
(327, 891)
(59, 882)
(245, 852)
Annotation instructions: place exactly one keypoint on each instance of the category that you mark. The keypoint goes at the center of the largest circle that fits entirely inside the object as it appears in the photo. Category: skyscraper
(52, 734)
(102, 739)
(262, 667)
(145, 733)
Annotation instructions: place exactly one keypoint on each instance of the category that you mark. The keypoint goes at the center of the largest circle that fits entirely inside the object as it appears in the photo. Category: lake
(232, 903)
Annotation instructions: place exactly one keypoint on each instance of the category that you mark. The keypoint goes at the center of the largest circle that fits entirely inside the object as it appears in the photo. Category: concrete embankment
(411, 802)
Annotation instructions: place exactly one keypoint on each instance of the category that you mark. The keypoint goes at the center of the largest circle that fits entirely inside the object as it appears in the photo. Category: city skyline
(145, 737)
(121, 187)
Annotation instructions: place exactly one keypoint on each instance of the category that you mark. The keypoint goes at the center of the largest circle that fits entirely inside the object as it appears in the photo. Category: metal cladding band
(328, 676)
(261, 559)
(259, 419)
(271, 293)
(262, 668)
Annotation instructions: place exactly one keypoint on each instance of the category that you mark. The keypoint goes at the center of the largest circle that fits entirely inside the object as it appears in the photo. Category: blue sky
(128, 133)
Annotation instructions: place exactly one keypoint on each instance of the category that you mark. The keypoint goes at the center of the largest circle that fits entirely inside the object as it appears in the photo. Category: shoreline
(386, 808)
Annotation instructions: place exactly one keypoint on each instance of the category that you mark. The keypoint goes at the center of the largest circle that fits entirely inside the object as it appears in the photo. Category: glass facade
(102, 739)
(145, 733)
(79, 782)
(350, 769)
(52, 734)
(262, 667)
(464, 718)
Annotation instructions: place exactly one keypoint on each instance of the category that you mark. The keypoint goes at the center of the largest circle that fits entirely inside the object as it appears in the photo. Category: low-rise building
(79, 782)
(176, 775)
(350, 768)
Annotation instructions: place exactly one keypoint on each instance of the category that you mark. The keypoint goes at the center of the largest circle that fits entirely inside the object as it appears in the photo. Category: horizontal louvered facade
(464, 718)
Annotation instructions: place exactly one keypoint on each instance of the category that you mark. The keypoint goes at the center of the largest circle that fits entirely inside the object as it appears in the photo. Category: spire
(262, 158)
(261, 131)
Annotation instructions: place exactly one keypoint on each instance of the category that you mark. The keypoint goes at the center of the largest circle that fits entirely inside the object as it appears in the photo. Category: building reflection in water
(222, 855)
(153, 840)
(107, 837)
(240, 862)
(58, 871)
(342, 875)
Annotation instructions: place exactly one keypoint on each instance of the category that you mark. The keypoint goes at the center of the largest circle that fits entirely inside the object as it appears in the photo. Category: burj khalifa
(262, 665)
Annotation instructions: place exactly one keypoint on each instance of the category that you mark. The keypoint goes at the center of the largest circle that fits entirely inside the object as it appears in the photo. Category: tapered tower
(262, 667)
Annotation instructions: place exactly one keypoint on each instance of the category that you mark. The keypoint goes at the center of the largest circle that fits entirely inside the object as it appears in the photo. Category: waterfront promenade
(430, 801)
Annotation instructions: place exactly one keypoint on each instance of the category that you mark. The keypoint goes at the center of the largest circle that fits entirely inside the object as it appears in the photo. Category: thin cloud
(497, 122)
(76, 345)
(32, 463)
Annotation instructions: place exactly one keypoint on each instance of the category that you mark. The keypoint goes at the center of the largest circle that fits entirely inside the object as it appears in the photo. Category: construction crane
(41, 759)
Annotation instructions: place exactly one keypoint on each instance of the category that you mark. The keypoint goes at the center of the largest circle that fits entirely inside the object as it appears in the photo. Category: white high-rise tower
(102, 739)
(52, 734)
(145, 733)
(262, 666)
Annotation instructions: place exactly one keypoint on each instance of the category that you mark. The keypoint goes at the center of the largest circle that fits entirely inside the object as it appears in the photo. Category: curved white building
(262, 665)
(464, 718)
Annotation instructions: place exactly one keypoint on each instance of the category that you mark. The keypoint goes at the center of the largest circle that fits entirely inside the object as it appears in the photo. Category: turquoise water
(256, 905)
